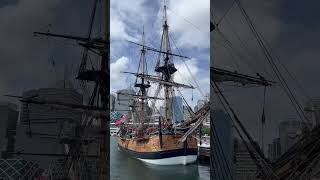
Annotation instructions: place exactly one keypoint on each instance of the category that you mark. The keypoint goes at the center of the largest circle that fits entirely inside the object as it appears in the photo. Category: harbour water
(124, 167)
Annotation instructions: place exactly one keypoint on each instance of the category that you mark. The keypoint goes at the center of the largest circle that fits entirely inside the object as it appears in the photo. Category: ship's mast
(167, 69)
(100, 76)
(104, 86)
(142, 71)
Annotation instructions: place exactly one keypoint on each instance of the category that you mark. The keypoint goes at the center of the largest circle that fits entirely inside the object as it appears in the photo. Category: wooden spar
(77, 38)
(160, 81)
(138, 74)
(222, 75)
(192, 129)
(140, 96)
(200, 113)
(93, 110)
(159, 51)
(168, 83)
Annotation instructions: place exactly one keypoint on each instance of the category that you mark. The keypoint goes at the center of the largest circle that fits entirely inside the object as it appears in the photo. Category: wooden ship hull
(172, 152)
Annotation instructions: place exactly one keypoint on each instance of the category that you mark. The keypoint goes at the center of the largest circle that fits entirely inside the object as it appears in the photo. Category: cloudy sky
(30, 62)
(291, 30)
(188, 24)
(26, 60)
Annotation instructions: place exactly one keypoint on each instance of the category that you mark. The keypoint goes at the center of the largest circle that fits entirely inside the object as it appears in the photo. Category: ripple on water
(124, 167)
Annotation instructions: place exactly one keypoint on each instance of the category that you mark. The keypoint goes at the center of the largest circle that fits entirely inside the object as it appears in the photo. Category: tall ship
(161, 141)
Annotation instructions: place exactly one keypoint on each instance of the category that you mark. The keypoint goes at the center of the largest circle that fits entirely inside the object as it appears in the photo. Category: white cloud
(125, 15)
(188, 74)
(116, 77)
(186, 71)
(121, 17)
(118, 28)
(127, 18)
(190, 20)
(129, 8)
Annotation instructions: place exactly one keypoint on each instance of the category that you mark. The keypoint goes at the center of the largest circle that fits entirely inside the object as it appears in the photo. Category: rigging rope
(270, 58)
(224, 15)
(188, 106)
(250, 55)
(263, 118)
(240, 135)
(235, 117)
(193, 78)
(295, 172)
(230, 49)
(196, 27)
(216, 137)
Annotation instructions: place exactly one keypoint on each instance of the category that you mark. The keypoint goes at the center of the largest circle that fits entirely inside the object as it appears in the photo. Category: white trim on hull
(172, 160)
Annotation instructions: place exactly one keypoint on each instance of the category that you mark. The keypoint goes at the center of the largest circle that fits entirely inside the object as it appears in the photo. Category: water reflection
(124, 167)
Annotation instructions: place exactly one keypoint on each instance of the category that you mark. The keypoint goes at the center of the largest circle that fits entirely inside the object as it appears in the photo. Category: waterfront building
(177, 109)
(223, 141)
(8, 122)
(123, 101)
(38, 122)
(186, 112)
(274, 149)
(112, 102)
(288, 133)
(246, 169)
(312, 111)
(200, 104)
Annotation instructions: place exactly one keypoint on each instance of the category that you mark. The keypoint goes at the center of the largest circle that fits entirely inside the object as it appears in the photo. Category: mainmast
(167, 69)
(100, 77)
(141, 83)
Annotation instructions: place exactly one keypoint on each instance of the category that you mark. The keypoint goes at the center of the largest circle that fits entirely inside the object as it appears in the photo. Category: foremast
(142, 84)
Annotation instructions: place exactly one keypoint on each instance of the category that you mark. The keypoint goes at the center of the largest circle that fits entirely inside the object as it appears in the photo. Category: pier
(204, 154)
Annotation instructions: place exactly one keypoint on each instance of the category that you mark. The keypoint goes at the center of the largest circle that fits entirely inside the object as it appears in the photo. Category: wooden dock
(204, 154)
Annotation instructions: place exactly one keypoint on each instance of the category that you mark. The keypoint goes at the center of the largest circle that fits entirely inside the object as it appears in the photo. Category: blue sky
(189, 26)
